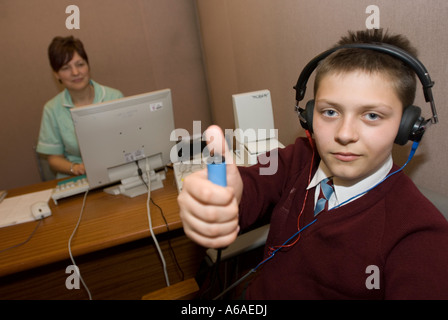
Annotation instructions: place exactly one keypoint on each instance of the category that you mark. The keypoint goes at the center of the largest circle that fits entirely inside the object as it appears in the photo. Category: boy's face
(355, 122)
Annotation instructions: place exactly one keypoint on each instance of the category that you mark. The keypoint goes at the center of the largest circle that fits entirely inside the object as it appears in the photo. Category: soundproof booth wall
(206, 51)
(251, 45)
(134, 46)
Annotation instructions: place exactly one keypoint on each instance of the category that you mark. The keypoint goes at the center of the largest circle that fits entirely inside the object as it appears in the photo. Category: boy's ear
(410, 126)
(306, 116)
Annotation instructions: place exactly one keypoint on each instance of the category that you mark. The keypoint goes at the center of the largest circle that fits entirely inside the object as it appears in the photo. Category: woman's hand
(59, 163)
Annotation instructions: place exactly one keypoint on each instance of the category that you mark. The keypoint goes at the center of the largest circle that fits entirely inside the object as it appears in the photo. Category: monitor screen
(117, 137)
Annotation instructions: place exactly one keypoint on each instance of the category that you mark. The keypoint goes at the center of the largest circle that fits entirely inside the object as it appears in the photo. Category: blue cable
(280, 247)
(411, 155)
(253, 270)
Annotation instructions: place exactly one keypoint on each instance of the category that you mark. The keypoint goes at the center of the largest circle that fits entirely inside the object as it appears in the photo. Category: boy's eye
(372, 116)
(330, 113)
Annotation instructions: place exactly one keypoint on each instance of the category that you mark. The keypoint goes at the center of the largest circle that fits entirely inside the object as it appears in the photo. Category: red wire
(271, 249)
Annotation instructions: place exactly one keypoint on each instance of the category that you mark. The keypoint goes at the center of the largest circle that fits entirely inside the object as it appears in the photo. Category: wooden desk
(111, 226)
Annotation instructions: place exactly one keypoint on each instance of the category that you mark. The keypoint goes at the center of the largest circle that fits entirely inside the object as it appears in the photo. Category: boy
(387, 243)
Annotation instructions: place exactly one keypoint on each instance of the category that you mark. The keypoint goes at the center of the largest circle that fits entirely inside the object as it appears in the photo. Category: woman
(57, 138)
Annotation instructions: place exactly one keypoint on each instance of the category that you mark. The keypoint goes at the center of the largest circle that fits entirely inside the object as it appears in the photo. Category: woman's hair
(401, 76)
(62, 49)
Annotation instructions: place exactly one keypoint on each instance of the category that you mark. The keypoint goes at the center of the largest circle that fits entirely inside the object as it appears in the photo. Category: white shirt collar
(344, 193)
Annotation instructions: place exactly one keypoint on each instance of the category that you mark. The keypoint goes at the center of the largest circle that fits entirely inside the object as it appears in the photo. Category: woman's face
(74, 75)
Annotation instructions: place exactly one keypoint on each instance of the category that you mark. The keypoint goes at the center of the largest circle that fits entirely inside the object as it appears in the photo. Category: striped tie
(326, 190)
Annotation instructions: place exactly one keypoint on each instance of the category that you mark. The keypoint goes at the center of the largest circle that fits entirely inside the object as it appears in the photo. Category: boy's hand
(209, 212)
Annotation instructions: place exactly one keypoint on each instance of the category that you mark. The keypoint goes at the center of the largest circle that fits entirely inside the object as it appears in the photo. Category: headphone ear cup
(408, 124)
(307, 116)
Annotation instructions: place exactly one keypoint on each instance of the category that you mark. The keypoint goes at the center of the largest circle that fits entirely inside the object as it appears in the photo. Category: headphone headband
(391, 50)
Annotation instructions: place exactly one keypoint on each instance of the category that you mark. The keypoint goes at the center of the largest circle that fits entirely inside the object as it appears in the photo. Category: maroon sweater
(393, 227)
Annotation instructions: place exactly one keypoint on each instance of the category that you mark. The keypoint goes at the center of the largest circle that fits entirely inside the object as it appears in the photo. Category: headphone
(412, 125)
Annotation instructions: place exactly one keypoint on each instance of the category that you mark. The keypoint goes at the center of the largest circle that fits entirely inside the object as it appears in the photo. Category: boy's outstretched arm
(208, 211)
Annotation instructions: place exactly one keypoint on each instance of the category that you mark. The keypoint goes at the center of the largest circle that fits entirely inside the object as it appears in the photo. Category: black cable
(169, 241)
(140, 173)
(29, 238)
(235, 284)
(214, 275)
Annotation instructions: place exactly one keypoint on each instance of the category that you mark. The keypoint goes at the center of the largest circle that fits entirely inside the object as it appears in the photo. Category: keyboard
(183, 169)
(70, 187)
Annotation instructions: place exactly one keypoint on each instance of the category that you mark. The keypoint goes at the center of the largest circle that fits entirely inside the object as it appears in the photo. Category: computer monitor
(119, 137)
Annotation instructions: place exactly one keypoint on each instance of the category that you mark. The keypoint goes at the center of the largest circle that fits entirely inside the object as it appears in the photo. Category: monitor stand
(134, 186)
